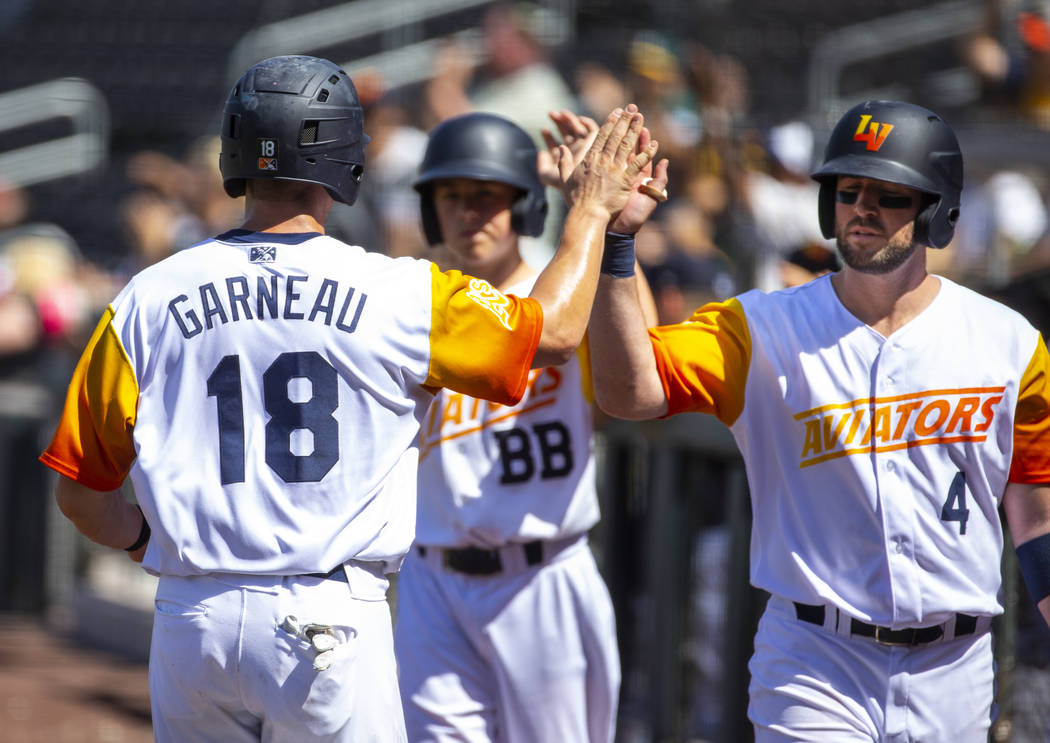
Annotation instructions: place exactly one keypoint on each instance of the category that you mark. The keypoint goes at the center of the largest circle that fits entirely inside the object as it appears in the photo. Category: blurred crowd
(742, 212)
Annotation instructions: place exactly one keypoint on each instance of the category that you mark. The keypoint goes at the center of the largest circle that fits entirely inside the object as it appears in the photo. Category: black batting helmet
(483, 147)
(899, 143)
(294, 118)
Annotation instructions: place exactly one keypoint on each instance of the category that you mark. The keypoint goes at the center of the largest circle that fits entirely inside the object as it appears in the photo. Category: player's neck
(886, 302)
(298, 215)
(273, 223)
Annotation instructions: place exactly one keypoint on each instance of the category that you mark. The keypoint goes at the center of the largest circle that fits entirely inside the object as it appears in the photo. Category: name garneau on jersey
(301, 391)
(874, 457)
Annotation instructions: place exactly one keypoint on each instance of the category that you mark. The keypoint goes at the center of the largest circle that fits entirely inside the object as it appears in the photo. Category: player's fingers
(644, 138)
(563, 159)
(620, 129)
(548, 139)
(660, 175)
(642, 159)
(629, 143)
(579, 124)
(598, 145)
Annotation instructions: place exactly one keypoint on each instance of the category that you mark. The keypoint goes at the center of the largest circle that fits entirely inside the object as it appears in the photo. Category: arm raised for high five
(626, 381)
(597, 188)
(577, 132)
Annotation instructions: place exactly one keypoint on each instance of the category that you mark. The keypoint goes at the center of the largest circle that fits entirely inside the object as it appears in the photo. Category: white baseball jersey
(490, 474)
(876, 465)
(264, 392)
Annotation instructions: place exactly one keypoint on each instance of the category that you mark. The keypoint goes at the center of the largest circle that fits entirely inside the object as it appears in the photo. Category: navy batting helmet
(899, 143)
(483, 147)
(294, 118)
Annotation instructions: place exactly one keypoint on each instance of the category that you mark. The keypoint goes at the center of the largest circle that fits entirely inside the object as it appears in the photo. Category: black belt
(336, 573)
(964, 625)
(478, 561)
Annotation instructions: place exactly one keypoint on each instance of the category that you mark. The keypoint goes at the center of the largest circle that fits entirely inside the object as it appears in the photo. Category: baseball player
(505, 629)
(884, 414)
(264, 390)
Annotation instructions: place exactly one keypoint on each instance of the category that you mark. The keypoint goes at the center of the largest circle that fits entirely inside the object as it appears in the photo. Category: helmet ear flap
(826, 206)
(428, 214)
(935, 223)
(529, 213)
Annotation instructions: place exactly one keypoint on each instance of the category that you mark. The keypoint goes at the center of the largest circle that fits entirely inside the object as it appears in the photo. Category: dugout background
(88, 85)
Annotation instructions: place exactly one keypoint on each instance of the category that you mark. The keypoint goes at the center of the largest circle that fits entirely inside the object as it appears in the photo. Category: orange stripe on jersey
(425, 447)
(481, 341)
(93, 444)
(703, 362)
(1031, 461)
(869, 401)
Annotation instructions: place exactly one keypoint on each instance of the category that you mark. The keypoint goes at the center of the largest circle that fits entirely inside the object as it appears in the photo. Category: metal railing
(83, 150)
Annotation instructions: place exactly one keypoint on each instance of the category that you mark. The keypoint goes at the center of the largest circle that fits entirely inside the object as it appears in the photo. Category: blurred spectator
(684, 266)
(515, 78)
(1002, 229)
(386, 214)
(49, 293)
(659, 86)
(599, 89)
(197, 204)
(782, 203)
(1011, 56)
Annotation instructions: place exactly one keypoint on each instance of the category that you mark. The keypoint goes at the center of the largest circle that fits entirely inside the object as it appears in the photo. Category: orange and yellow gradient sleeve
(93, 443)
(703, 361)
(1031, 460)
(481, 341)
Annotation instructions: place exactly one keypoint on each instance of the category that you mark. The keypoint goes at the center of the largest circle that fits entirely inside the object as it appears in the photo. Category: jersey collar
(244, 237)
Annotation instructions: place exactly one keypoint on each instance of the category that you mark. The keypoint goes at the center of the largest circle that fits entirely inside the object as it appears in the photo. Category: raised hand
(610, 170)
(577, 133)
(649, 191)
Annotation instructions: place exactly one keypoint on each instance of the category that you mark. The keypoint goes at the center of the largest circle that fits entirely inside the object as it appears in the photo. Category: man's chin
(879, 261)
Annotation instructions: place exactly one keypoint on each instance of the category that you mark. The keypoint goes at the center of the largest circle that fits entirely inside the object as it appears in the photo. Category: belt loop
(533, 552)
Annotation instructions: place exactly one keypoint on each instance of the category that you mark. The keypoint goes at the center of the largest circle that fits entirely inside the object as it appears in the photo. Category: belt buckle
(882, 636)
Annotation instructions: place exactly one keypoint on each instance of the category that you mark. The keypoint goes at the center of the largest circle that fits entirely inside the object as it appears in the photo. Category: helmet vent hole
(308, 134)
(231, 127)
(311, 161)
(356, 171)
(323, 95)
(333, 79)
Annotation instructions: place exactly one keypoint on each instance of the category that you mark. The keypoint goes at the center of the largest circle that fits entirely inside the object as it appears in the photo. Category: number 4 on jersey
(954, 508)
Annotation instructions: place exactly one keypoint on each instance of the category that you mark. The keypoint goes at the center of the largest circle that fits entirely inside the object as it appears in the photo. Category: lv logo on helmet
(875, 134)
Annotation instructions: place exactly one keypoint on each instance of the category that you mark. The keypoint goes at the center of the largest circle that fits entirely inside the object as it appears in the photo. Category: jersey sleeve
(481, 341)
(703, 362)
(93, 443)
(1031, 459)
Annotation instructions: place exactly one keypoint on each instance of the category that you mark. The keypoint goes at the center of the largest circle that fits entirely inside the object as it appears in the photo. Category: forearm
(566, 286)
(626, 381)
(1027, 509)
(106, 518)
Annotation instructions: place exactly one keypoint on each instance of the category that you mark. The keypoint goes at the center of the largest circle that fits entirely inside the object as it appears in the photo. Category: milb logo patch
(883, 424)
(263, 254)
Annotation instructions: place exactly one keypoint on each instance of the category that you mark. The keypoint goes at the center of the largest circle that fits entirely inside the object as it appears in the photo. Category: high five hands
(578, 134)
